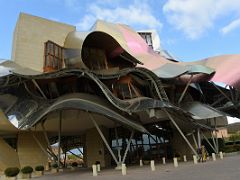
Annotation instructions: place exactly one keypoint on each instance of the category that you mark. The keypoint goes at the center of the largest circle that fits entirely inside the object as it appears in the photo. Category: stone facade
(8, 156)
(29, 151)
(30, 34)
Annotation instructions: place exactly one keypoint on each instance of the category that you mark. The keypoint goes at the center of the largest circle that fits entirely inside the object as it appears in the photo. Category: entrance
(147, 147)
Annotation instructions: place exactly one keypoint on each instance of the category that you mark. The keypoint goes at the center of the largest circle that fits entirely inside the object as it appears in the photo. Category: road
(227, 169)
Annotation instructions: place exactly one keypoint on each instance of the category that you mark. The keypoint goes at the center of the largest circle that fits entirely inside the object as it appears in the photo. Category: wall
(29, 36)
(95, 149)
(29, 152)
(8, 156)
(180, 146)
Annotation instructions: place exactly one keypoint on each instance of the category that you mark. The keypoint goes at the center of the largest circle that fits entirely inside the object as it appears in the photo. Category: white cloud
(195, 17)
(135, 14)
(231, 26)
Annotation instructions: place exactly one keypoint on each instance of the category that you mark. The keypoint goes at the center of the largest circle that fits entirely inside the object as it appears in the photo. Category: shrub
(27, 170)
(39, 168)
(55, 165)
(74, 164)
(11, 171)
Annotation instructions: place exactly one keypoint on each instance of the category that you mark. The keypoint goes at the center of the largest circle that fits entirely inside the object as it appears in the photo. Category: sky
(188, 29)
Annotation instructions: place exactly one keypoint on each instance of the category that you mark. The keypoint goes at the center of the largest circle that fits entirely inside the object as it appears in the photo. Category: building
(106, 91)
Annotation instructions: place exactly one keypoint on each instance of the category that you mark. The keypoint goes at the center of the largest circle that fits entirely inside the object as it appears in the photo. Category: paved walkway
(227, 169)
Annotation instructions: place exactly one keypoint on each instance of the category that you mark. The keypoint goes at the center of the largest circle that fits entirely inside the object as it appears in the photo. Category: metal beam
(181, 133)
(55, 158)
(215, 124)
(40, 145)
(213, 139)
(185, 90)
(59, 137)
(194, 140)
(49, 148)
(65, 157)
(209, 142)
(232, 93)
(117, 143)
(45, 134)
(218, 101)
(221, 91)
(104, 139)
(80, 151)
(199, 138)
(75, 154)
(40, 90)
(127, 148)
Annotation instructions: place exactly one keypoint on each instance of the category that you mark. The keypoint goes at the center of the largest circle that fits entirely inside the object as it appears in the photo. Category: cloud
(71, 3)
(231, 26)
(135, 14)
(195, 17)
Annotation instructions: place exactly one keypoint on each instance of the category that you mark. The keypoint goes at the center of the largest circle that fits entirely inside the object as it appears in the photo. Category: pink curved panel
(227, 67)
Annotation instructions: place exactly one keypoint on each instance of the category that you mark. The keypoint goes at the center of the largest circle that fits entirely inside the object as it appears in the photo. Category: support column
(181, 133)
(214, 143)
(185, 89)
(195, 141)
(215, 123)
(199, 138)
(59, 138)
(128, 145)
(119, 150)
(103, 139)
(209, 143)
(49, 148)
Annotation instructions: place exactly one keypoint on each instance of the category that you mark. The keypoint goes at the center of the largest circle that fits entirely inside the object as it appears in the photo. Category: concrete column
(124, 169)
(94, 170)
(199, 138)
(164, 160)
(221, 155)
(152, 164)
(95, 149)
(185, 158)
(195, 159)
(214, 156)
(175, 162)
(141, 162)
(98, 167)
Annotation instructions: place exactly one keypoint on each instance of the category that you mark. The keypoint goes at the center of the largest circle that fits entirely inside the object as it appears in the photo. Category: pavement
(226, 169)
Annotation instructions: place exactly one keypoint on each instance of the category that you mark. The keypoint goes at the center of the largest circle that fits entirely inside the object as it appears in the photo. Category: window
(53, 57)
(147, 36)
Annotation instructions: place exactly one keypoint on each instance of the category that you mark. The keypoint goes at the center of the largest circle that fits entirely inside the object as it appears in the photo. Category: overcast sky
(189, 29)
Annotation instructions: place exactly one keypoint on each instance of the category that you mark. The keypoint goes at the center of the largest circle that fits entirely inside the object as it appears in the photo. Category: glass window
(147, 36)
(145, 139)
(53, 57)
(152, 139)
(146, 148)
